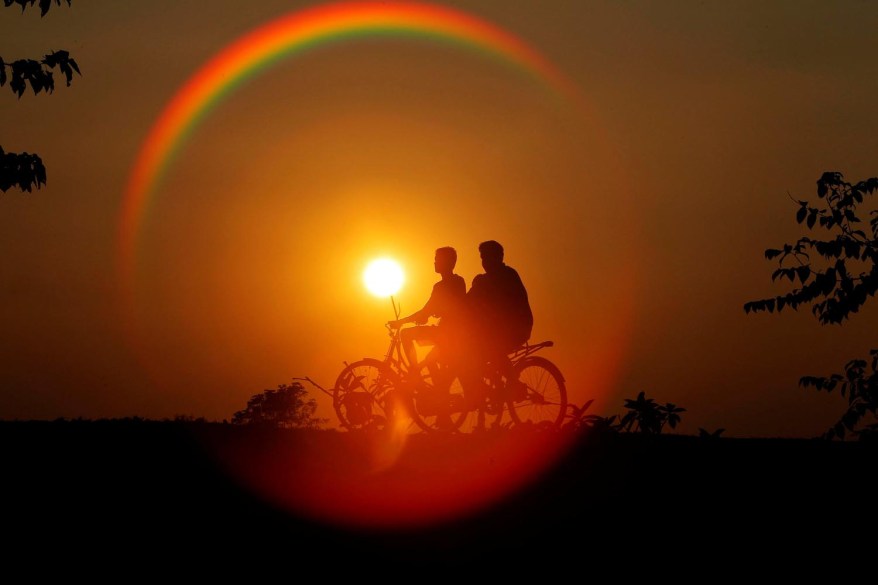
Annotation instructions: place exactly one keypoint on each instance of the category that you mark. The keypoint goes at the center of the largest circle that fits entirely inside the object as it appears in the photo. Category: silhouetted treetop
(838, 272)
(44, 5)
(287, 407)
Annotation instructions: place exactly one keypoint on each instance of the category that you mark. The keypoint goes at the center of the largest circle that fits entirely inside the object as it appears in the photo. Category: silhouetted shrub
(705, 434)
(287, 407)
(646, 416)
(861, 389)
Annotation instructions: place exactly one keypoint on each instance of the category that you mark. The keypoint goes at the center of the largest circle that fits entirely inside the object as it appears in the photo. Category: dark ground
(144, 492)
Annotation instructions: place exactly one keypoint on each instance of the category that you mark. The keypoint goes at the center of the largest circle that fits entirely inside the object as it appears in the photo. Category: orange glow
(344, 478)
(383, 277)
(293, 34)
(250, 269)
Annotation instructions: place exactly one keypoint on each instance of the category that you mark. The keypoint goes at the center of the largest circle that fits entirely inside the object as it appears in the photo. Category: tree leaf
(803, 272)
(801, 214)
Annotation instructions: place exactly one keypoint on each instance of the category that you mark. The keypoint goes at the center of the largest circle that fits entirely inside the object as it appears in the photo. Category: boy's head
(491, 253)
(445, 260)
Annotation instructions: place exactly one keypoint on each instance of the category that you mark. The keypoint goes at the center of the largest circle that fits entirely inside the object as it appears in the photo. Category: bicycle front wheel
(361, 394)
(541, 397)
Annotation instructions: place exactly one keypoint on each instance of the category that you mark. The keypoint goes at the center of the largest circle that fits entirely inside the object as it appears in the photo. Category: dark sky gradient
(706, 114)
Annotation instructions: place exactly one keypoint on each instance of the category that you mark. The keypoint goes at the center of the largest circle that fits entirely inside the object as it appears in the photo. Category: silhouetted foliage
(646, 416)
(604, 423)
(43, 4)
(189, 419)
(578, 420)
(859, 385)
(576, 417)
(25, 170)
(287, 407)
(836, 276)
(868, 433)
(705, 434)
(846, 247)
(601, 424)
(38, 74)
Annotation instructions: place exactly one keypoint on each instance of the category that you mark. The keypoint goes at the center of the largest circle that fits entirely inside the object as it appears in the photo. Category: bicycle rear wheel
(542, 400)
(361, 394)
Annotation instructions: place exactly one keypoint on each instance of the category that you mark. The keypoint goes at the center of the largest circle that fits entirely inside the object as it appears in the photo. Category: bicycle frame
(395, 357)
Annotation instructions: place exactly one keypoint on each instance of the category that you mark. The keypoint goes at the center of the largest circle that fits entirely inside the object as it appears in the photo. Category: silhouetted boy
(499, 320)
(446, 303)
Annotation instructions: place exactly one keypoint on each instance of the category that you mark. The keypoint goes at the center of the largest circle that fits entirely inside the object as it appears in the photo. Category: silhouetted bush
(644, 415)
(705, 434)
(287, 407)
(861, 389)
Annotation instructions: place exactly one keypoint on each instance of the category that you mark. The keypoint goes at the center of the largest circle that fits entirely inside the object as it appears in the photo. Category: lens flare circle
(383, 277)
(355, 479)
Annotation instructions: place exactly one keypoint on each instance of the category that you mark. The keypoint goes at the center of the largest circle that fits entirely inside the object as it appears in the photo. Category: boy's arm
(416, 317)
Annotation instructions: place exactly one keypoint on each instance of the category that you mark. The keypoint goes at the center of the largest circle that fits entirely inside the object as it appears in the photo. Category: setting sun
(383, 277)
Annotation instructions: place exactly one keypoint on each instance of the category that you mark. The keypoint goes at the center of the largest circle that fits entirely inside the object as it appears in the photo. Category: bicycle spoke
(546, 400)
(360, 393)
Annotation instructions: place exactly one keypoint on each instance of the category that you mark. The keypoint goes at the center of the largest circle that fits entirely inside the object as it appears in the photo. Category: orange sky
(705, 116)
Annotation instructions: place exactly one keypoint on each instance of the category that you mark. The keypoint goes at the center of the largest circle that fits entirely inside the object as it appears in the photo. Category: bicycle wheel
(542, 400)
(433, 409)
(361, 392)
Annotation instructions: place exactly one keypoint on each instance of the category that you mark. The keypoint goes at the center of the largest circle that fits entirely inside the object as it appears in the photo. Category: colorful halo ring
(302, 488)
(292, 35)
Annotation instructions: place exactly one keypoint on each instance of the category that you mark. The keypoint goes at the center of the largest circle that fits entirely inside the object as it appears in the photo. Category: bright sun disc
(383, 277)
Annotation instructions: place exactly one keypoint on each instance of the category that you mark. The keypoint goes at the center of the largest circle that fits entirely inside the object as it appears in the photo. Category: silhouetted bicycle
(370, 393)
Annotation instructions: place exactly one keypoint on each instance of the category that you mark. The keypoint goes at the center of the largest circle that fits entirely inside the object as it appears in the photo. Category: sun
(383, 277)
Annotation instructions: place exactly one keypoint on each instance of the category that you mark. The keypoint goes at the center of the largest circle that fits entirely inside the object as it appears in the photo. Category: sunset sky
(636, 213)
